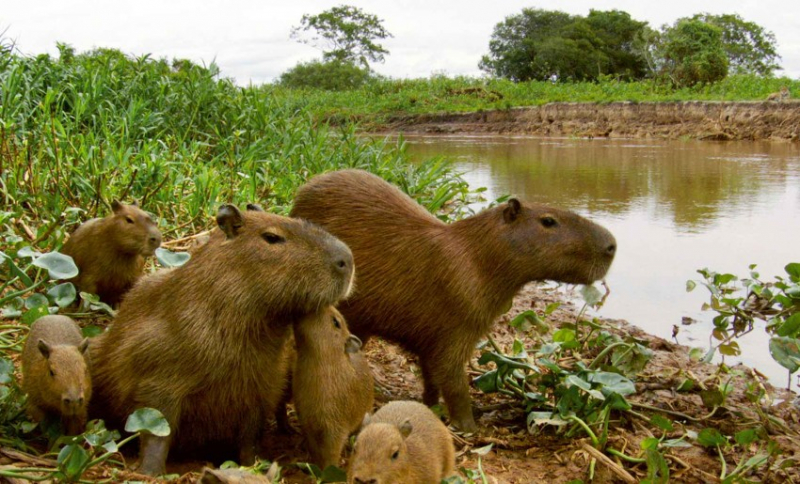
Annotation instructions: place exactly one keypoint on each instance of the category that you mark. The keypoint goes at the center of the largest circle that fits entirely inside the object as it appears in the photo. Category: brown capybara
(110, 252)
(436, 288)
(331, 384)
(403, 443)
(55, 374)
(204, 343)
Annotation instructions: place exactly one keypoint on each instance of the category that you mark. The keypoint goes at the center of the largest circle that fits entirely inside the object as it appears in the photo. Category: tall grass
(382, 99)
(81, 130)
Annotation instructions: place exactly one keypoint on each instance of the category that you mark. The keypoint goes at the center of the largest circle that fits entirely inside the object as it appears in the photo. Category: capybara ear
(230, 220)
(353, 344)
(44, 348)
(406, 428)
(254, 207)
(512, 210)
(84, 345)
(116, 206)
(365, 420)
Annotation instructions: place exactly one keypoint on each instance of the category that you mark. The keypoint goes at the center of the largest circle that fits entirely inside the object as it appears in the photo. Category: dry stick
(710, 477)
(176, 242)
(30, 459)
(613, 466)
(130, 184)
(26, 229)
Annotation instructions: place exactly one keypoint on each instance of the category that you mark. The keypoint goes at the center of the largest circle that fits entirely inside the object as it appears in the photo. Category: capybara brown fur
(110, 252)
(402, 443)
(205, 343)
(331, 384)
(55, 375)
(436, 288)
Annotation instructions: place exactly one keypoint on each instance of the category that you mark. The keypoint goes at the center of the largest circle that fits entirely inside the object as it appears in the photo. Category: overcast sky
(249, 40)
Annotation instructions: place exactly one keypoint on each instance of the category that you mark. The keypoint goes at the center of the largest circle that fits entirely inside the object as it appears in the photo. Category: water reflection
(674, 207)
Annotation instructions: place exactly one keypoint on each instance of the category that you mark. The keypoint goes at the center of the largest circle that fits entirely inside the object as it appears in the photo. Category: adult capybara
(204, 343)
(403, 443)
(110, 252)
(54, 372)
(436, 288)
(331, 384)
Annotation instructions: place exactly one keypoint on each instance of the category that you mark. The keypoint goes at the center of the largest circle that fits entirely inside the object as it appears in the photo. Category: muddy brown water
(674, 207)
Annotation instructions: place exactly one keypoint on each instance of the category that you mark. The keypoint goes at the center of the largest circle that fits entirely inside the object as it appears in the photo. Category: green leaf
(58, 265)
(14, 308)
(793, 269)
(63, 294)
(590, 294)
(649, 443)
(17, 272)
(690, 285)
(613, 383)
(730, 348)
(712, 398)
(662, 423)
(710, 437)
(686, 385)
(6, 370)
(32, 315)
(333, 474)
(657, 467)
(148, 420)
(72, 460)
(488, 382)
(786, 351)
(168, 258)
(537, 420)
(91, 331)
(35, 300)
(746, 437)
(790, 327)
(482, 450)
(521, 363)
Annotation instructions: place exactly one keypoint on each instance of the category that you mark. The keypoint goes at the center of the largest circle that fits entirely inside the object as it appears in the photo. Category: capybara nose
(611, 249)
(365, 481)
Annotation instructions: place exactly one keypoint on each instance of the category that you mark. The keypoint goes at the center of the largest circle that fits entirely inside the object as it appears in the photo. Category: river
(674, 207)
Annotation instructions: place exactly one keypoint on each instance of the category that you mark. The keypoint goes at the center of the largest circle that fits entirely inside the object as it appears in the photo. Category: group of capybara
(267, 300)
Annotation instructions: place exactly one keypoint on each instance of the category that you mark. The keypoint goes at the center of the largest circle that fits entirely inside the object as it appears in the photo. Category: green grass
(80, 131)
(382, 99)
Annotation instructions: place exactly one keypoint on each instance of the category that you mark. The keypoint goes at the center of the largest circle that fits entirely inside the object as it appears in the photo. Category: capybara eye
(337, 323)
(272, 238)
(549, 222)
(396, 455)
(129, 220)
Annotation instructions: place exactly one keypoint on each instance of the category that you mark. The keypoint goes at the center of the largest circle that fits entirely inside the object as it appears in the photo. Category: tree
(541, 44)
(692, 51)
(750, 48)
(344, 34)
(330, 76)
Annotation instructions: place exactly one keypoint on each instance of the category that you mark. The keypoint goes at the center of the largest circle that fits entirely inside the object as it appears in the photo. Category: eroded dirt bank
(697, 120)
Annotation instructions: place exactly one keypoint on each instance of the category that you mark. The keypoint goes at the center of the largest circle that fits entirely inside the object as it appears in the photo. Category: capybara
(403, 443)
(110, 252)
(331, 384)
(436, 288)
(204, 343)
(55, 374)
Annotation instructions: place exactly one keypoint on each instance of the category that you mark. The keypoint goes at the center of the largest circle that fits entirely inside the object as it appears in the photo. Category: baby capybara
(403, 443)
(331, 384)
(436, 288)
(110, 252)
(55, 375)
(204, 343)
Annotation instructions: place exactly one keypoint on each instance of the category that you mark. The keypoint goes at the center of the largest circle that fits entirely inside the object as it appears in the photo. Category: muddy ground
(776, 121)
(519, 457)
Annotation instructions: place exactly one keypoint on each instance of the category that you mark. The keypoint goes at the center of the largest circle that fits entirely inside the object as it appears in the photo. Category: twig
(613, 466)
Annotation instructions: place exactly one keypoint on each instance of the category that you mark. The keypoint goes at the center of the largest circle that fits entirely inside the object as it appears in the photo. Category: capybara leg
(320, 448)
(453, 381)
(251, 433)
(430, 393)
(36, 412)
(153, 452)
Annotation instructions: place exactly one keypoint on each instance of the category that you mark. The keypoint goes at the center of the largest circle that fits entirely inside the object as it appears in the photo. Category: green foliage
(333, 75)
(691, 52)
(544, 45)
(749, 47)
(777, 303)
(345, 34)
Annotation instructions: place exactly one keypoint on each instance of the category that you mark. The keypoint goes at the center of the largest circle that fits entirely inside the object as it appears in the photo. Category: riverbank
(704, 120)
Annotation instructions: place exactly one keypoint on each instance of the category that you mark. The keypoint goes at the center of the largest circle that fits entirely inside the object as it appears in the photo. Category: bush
(329, 76)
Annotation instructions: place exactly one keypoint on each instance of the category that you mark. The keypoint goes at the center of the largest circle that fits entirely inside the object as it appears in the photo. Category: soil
(517, 456)
(706, 120)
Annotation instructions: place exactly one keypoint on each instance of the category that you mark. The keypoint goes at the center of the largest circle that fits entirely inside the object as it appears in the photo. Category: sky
(249, 40)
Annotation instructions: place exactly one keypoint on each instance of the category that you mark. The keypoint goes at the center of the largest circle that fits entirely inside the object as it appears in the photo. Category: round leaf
(6, 370)
(58, 265)
(168, 258)
(63, 294)
(710, 438)
(35, 300)
(148, 420)
(71, 461)
(786, 351)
